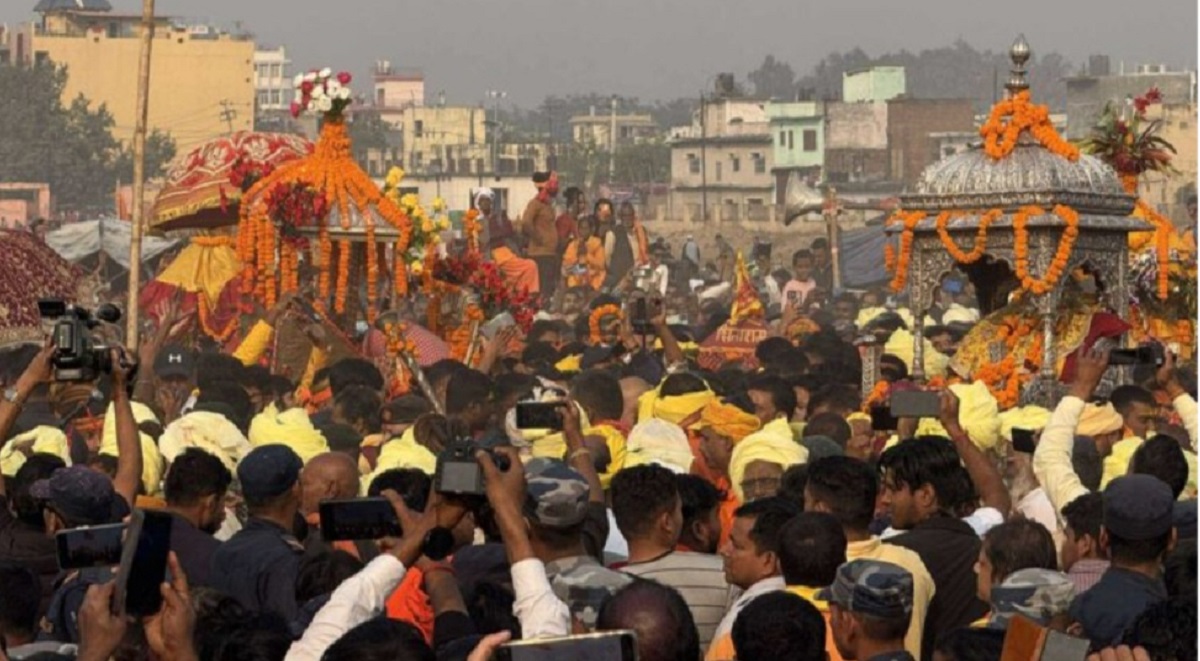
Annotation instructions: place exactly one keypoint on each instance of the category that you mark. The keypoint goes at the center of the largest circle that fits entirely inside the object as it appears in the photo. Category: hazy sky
(667, 48)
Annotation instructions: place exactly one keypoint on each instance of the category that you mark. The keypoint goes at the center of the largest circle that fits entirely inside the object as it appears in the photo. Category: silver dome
(1030, 175)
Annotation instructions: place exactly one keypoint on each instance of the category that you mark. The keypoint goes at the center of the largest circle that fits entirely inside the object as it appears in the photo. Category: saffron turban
(728, 420)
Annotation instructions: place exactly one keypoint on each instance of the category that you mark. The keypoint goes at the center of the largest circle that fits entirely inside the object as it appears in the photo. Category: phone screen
(883, 420)
(90, 546)
(358, 518)
(143, 563)
(916, 404)
(539, 415)
(1022, 440)
(608, 646)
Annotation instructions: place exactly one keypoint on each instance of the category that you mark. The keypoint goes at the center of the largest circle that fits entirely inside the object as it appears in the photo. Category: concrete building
(101, 49)
(873, 84)
(856, 142)
(911, 124)
(272, 80)
(721, 165)
(1168, 192)
(798, 131)
(1089, 92)
(597, 129)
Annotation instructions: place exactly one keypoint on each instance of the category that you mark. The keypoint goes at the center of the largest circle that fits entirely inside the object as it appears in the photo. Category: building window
(810, 140)
(791, 142)
(735, 163)
(418, 128)
(760, 164)
(719, 164)
(417, 158)
(782, 139)
(264, 99)
(276, 70)
(693, 164)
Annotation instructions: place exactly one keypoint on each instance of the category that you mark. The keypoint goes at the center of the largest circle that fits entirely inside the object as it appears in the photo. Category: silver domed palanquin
(972, 182)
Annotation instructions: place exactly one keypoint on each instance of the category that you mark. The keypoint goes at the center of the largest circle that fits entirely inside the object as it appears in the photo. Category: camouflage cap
(871, 587)
(556, 495)
(1038, 594)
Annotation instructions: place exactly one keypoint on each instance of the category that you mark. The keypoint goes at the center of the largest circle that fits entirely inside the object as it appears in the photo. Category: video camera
(458, 472)
(77, 354)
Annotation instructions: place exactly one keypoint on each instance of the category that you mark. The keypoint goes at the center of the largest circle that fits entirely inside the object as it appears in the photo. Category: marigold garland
(471, 228)
(343, 276)
(1000, 137)
(372, 272)
(980, 246)
(332, 169)
(910, 220)
(1163, 228)
(877, 396)
(597, 316)
(1061, 256)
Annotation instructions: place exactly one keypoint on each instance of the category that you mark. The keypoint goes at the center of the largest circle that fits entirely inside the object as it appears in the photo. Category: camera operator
(79, 496)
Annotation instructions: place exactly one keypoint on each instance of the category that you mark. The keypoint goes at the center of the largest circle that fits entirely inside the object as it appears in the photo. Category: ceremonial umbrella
(31, 271)
(200, 189)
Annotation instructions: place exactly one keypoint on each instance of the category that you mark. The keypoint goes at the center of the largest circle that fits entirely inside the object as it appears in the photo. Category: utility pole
(139, 174)
(495, 96)
(228, 114)
(612, 142)
(703, 160)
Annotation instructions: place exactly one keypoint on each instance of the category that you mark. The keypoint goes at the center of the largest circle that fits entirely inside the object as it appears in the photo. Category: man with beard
(195, 491)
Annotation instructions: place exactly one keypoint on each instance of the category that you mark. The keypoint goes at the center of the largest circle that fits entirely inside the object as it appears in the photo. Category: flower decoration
(1009, 118)
(980, 246)
(898, 263)
(322, 92)
(597, 316)
(293, 206)
(1131, 144)
(472, 227)
(1021, 247)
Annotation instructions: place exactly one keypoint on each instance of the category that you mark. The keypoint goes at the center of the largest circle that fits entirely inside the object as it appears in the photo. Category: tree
(648, 162)
(160, 151)
(774, 79)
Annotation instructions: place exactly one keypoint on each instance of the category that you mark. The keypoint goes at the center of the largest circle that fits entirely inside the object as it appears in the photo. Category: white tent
(84, 241)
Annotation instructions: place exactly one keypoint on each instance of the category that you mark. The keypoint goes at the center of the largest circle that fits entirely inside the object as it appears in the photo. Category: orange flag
(746, 304)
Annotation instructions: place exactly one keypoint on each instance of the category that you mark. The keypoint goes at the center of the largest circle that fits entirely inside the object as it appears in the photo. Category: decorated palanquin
(30, 271)
(1041, 232)
(202, 194)
(736, 339)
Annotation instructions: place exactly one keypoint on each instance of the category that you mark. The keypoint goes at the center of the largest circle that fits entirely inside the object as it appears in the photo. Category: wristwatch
(438, 543)
(12, 396)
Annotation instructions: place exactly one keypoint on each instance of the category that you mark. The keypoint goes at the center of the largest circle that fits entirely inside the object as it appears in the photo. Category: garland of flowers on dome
(1062, 255)
(980, 246)
(1163, 227)
(597, 316)
(898, 264)
(331, 176)
(1000, 136)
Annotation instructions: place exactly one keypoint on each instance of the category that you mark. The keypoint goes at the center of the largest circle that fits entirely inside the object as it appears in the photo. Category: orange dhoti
(519, 273)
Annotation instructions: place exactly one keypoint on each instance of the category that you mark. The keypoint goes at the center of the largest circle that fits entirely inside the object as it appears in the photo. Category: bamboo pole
(139, 175)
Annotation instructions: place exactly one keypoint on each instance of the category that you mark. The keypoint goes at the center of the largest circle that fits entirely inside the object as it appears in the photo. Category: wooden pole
(139, 175)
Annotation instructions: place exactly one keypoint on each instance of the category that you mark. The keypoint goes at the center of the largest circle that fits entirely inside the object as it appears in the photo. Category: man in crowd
(648, 509)
(258, 566)
(870, 604)
(541, 235)
(847, 488)
(195, 488)
(751, 562)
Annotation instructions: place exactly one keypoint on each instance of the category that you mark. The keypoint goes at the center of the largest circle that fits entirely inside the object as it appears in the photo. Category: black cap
(269, 471)
(1138, 507)
(80, 495)
(174, 361)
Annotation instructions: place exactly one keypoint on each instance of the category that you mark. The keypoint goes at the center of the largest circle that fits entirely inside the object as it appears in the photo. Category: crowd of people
(734, 513)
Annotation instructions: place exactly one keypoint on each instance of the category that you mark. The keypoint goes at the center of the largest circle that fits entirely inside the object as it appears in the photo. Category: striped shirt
(700, 579)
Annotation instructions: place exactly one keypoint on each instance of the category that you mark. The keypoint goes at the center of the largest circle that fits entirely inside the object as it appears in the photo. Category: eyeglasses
(760, 485)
